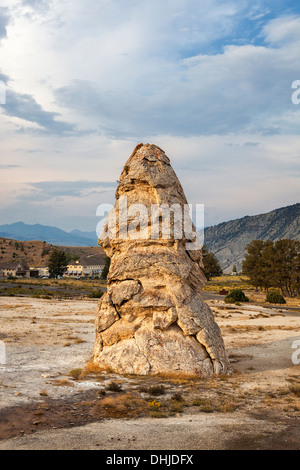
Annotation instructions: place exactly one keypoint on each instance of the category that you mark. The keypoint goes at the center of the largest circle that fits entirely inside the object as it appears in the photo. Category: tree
(212, 266)
(256, 263)
(274, 264)
(286, 266)
(57, 263)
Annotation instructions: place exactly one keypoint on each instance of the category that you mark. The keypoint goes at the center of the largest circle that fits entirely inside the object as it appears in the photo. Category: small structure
(33, 272)
(14, 269)
(42, 270)
(87, 267)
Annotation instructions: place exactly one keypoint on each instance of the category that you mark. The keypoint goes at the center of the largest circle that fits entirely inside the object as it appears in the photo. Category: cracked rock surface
(152, 318)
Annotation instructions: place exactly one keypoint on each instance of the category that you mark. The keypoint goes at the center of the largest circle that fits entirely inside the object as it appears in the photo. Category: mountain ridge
(52, 235)
(228, 240)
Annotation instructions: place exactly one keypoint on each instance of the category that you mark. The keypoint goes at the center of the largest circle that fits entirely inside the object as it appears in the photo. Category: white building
(89, 266)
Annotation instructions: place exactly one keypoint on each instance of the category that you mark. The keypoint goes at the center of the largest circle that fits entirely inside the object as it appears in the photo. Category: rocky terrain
(51, 398)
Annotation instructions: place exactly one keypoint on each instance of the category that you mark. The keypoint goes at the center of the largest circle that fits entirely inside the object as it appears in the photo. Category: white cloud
(123, 69)
(113, 74)
(282, 30)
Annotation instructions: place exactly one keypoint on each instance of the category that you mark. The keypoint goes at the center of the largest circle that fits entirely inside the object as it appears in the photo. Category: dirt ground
(49, 399)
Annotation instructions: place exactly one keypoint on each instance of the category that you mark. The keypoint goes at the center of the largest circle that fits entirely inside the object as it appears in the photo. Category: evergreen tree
(57, 263)
(256, 263)
(274, 264)
(212, 266)
(286, 266)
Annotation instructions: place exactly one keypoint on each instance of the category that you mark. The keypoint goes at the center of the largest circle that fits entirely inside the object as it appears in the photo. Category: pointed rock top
(148, 152)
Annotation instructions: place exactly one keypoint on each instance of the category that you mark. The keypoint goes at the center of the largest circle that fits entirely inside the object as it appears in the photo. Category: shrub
(295, 389)
(96, 294)
(114, 387)
(236, 295)
(274, 297)
(177, 397)
(75, 373)
(156, 390)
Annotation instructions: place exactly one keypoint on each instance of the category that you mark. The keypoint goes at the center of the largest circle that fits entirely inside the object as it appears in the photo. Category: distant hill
(89, 235)
(52, 235)
(226, 240)
(36, 253)
(229, 239)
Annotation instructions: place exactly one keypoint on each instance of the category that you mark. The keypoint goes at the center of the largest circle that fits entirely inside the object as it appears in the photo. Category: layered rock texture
(152, 318)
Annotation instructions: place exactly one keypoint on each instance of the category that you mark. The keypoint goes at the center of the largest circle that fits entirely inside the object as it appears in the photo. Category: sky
(82, 82)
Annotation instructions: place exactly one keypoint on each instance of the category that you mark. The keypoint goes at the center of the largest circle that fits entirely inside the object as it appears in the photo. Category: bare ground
(46, 403)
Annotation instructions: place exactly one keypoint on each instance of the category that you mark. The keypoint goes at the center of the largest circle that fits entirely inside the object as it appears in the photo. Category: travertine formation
(152, 318)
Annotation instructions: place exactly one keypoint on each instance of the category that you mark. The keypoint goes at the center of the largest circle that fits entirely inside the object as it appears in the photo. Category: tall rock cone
(152, 318)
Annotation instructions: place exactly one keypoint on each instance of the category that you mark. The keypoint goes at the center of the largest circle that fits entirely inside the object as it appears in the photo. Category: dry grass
(227, 282)
(114, 387)
(94, 369)
(211, 405)
(154, 390)
(62, 383)
(115, 402)
(295, 389)
(157, 414)
(178, 377)
(75, 373)
(121, 406)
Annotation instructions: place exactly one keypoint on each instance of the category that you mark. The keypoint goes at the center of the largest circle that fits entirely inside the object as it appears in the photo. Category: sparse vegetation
(274, 297)
(114, 387)
(96, 294)
(50, 288)
(62, 383)
(156, 390)
(236, 295)
(203, 404)
(177, 397)
(295, 389)
(75, 373)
